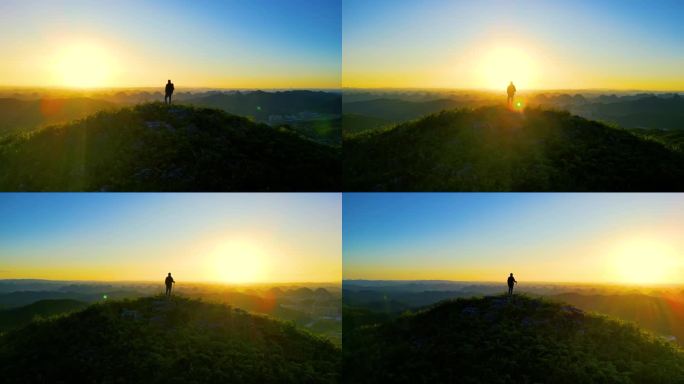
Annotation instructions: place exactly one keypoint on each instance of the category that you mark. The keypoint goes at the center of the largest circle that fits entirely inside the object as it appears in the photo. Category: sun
(238, 261)
(84, 65)
(502, 64)
(645, 261)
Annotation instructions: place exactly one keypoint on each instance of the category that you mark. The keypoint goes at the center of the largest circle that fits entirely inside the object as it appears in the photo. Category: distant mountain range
(640, 111)
(315, 114)
(266, 105)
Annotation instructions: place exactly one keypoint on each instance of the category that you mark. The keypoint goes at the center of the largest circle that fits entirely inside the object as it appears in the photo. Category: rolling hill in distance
(495, 149)
(151, 147)
(18, 317)
(180, 339)
(18, 115)
(501, 339)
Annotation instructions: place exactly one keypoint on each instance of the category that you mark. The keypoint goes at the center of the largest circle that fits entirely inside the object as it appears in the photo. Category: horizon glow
(217, 238)
(81, 44)
(539, 45)
(599, 238)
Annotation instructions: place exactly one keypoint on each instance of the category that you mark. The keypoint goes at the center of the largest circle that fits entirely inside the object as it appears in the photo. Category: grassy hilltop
(494, 149)
(154, 340)
(153, 147)
(500, 340)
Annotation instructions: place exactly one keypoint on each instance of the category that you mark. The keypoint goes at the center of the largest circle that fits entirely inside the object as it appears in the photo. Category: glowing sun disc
(644, 261)
(503, 64)
(83, 66)
(237, 261)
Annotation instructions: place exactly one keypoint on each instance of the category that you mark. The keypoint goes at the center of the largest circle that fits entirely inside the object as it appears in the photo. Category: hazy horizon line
(525, 281)
(184, 281)
(63, 88)
(503, 89)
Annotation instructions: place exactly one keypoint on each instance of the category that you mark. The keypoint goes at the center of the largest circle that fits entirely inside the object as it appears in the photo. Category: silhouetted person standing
(169, 92)
(511, 93)
(169, 284)
(511, 282)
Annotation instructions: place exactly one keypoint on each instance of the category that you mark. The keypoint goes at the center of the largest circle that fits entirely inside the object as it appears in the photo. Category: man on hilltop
(169, 284)
(511, 94)
(511, 281)
(169, 92)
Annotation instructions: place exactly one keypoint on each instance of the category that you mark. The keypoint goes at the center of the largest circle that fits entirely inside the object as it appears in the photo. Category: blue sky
(203, 43)
(480, 236)
(128, 236)
(573, 44)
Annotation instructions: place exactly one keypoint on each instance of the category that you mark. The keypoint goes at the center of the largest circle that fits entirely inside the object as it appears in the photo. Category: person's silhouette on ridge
(511, 281)
(511, 93)
(169, 92)
(169, 283)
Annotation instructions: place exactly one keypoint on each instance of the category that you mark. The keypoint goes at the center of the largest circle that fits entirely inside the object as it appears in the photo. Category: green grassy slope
(497, 340)
(18, 317)
(152, 147)
(663, 315)
(493, 149)
(25, 115)
(395, 110)
(154, 340)
(359, 124)
(673, 139)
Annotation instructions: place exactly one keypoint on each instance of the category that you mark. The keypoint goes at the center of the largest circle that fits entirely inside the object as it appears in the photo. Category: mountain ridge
(153, 147)
(500, 339)
(494, 149)
(13, 318)
(159, 340)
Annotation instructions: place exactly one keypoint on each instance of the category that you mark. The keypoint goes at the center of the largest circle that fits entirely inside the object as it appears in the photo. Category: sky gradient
(202, 43)
(233, 238)
(582, 44)
(593, 238)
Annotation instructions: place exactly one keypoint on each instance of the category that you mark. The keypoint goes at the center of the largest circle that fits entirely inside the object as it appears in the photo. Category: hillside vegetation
(663, 315)
(396, 110)
(648, 111)
(25, 115)
(313, 114)
(494, 149)
(261, 105)
(18, 317)
(501, 340)
(154, 340)
(153, 147)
